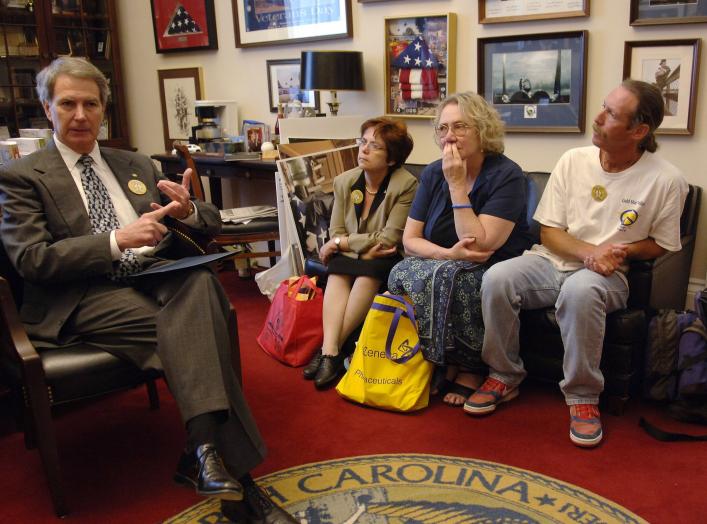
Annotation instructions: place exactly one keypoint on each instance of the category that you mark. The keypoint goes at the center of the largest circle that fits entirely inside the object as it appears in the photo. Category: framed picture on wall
(659, 12)
(261, 22)
(184, 25)
(498, 11)
(672, 66)
(536, 82)
(420, 57)
(283, 85)
(179, 88)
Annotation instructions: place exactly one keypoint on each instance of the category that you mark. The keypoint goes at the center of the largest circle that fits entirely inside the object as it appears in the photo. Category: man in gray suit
(78, 220)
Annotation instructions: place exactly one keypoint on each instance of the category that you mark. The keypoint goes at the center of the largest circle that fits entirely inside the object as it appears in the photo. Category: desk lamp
(332, 71)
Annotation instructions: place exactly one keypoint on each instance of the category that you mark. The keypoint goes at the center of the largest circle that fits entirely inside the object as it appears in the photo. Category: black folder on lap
(184, 263)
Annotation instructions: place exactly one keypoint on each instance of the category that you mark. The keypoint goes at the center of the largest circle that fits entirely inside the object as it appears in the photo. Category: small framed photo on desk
(255, 135)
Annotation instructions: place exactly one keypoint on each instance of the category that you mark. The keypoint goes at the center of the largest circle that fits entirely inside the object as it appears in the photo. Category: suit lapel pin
(137, 187)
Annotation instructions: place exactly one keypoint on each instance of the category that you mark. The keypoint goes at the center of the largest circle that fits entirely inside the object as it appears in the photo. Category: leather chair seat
(100, 372)
(257, 225)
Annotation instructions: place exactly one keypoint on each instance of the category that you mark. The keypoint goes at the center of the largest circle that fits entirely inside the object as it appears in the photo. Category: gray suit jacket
(47, 232)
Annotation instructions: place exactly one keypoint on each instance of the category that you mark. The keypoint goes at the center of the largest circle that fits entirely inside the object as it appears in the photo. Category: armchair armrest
(661, 283)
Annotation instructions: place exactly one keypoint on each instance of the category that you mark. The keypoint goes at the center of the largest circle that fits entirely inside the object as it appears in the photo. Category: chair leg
(152, 395)
(271, 247)
(46, 441)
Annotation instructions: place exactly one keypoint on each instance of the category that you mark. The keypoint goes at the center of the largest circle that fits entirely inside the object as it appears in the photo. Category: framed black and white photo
(283, 85)
(536, 82)
(660, 12)
(673, 67)
(179, 89)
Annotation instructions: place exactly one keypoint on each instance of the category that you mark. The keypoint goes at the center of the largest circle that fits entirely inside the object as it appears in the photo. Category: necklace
(370, 192)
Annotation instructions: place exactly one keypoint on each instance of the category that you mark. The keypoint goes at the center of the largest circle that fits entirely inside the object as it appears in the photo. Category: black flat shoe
(329, 370)
(310, 370)
(204, 470)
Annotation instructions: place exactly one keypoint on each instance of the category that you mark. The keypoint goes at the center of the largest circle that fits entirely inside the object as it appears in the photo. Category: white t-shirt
(643, 201)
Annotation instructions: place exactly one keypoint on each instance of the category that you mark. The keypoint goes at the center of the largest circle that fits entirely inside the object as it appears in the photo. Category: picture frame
(430, 42)
(500, 11)
(284, 82)
(660, 12)
(184, 25)
(558, 61)
(255, 135)
(179, 88)
(673, 67)
(258, 23)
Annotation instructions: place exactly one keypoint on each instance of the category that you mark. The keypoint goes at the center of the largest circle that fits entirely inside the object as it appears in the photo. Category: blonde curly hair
(477, 113)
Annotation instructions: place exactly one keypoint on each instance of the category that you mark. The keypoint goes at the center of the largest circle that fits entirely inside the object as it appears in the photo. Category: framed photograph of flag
(537, 83)
(272, 22)
(672, 66)
(420, 57)
(184, 25)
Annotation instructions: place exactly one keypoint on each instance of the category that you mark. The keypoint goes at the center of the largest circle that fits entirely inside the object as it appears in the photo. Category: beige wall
(240, 74)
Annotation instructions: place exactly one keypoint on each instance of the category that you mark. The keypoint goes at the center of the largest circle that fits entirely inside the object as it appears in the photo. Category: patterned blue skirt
(446, 295)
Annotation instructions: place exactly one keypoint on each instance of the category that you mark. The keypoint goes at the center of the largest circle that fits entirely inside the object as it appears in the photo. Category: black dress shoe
(256, 508)
(310, 370)
(204, 470)
(329, 370)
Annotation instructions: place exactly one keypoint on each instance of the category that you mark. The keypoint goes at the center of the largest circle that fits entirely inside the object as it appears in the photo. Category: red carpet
(118, 457)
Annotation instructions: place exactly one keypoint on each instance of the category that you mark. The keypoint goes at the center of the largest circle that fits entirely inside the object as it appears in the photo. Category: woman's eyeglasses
(459, 129)
(362, 142)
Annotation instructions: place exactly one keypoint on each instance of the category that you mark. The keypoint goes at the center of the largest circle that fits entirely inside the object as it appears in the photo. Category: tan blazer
(386, 219)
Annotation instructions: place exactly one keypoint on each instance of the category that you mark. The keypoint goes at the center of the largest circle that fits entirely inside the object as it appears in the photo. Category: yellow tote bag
(387, 369)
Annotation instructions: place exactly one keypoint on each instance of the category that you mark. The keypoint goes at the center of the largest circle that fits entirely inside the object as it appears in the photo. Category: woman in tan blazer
(371, 204)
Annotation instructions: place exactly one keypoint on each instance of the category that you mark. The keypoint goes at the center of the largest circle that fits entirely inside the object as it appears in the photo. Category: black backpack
(676, 367)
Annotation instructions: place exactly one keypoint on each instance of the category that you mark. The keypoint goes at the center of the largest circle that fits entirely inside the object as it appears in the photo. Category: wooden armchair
(257, 230)
(43, 378)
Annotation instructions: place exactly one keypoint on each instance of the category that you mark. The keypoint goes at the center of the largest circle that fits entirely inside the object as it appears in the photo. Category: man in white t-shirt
(603, 206)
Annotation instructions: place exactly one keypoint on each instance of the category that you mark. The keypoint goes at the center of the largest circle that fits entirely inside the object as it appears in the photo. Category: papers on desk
(243, 215)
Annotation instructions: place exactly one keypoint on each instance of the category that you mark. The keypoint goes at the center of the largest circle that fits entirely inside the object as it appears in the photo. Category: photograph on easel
(308, 181)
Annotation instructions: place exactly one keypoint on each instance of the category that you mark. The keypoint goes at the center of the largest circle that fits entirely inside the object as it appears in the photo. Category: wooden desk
(216, 168)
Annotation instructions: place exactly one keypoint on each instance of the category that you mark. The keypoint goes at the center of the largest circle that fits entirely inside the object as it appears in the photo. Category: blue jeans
(582, 299)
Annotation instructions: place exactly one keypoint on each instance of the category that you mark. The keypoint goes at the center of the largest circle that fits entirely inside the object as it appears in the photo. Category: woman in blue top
(469, 212)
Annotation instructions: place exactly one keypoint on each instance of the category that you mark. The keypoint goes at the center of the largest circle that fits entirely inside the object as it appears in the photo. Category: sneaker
(585, 425)
(491, 393)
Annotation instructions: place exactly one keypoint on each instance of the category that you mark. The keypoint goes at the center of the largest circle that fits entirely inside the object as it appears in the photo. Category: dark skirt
(377, 268)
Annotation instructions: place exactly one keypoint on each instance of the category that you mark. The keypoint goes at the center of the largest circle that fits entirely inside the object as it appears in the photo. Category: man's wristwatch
(337, 243)
(191, 210)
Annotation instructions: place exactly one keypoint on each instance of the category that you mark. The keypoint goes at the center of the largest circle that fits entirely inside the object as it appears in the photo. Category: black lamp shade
(332, 70)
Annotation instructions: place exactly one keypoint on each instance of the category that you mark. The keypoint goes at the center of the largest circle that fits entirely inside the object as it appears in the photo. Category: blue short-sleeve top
(499, 190)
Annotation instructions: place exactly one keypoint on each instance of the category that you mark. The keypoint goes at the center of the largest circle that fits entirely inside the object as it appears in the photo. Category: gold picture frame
(500, 11)
(420, 63)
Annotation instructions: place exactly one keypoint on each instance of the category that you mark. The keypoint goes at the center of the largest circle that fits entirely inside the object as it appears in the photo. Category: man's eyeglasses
(373, 146)
(459, 129)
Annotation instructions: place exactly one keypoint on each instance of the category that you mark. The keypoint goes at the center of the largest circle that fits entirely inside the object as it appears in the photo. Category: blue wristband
(462, 206)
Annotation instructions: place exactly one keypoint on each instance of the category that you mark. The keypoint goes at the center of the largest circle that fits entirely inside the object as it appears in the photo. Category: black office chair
(257, 230)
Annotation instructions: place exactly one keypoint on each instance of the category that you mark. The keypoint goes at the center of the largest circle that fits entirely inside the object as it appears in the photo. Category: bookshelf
(32, 34)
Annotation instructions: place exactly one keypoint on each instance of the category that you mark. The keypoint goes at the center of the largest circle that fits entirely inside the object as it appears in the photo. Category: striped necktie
(103, 217)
